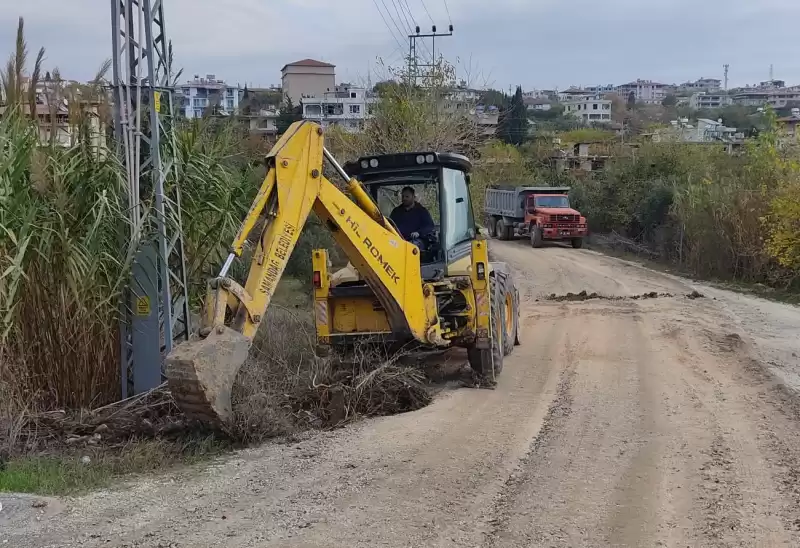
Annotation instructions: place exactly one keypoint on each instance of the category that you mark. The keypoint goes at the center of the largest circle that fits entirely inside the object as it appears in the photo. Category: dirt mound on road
(585, 296)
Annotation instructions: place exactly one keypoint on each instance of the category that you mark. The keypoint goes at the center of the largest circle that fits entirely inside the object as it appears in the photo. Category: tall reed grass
(61, 267)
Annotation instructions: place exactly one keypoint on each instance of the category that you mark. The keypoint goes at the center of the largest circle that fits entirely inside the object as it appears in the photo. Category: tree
(494, 98)
(288, 115)
(670, 101)
(513, 126)
(631, 100)
(412, 117)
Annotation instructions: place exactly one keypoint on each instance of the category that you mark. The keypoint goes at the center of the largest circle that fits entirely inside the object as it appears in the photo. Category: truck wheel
(536, 237)
(491, 225)
(501, 229)
(577, 243)
(508, 288)
(488, 362)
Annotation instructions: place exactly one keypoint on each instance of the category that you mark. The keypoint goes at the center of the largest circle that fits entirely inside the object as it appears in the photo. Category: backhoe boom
(201, 372)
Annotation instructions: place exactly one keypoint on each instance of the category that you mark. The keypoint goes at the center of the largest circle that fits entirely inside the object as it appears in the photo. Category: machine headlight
(373, 162)
(364, 164)
(429, 158)
(420, 159)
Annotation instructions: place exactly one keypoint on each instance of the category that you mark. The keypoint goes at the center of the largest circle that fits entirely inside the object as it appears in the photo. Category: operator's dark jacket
(416, 219)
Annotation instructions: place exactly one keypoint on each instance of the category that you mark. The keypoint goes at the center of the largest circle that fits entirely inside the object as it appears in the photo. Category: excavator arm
(201, 371)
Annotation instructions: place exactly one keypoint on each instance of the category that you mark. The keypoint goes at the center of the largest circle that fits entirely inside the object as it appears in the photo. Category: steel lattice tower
(155, 307)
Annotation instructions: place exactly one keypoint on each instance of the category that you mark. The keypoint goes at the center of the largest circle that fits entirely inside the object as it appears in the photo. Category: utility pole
(413, 56)
(154, 309)
(726, 66)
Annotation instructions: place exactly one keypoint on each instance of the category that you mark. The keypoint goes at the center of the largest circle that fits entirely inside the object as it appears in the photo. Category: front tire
(577, 243)
(536, 237)
(488, 362)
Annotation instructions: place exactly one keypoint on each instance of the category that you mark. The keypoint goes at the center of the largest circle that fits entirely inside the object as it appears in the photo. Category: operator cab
(441, 184)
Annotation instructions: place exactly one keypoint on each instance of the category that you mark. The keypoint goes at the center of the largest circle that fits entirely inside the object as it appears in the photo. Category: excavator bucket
(201, 373)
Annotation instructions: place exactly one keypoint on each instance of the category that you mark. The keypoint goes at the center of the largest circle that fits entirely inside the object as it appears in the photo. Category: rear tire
(536, 237)
(577, 243)
(501, 230)
(488, 362)
(492, 226)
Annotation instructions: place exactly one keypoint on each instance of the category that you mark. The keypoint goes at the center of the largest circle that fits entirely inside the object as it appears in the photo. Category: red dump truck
(538, 213)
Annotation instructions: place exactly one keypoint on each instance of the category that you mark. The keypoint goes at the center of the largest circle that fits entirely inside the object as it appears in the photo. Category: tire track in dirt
(558, 411)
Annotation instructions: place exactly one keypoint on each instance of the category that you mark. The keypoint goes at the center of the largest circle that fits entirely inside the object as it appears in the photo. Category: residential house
(699, 85)
(60, 107)
(198, 94)
(645, 91)
(539, 94)
(346, 106)
(263, 123)
(705, 99)
(307, 78)
(789, 124)
(777, 97)
(704, 131)
(540, 105)
(590, 109)
(574, 94)
(608, 88)
(486, 119)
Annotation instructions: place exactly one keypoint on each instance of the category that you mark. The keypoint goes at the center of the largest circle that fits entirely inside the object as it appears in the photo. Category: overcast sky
(534, 43)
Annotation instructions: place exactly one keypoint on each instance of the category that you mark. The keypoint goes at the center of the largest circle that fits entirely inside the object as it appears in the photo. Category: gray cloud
(535, 43)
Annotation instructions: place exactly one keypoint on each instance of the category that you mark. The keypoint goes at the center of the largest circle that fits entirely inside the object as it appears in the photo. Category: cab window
(459, 224)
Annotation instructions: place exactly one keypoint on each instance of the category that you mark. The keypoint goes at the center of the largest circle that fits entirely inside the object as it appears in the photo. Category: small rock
(85, 459)
(101, 428)
(39, 504)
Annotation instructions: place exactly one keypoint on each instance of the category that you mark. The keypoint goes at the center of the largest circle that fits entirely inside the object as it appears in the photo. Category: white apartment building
(591, 109)
(645, 91)
(709, 100)
(197, 94)
(776, 97)
(705, 131)
(346, 106)
(701, 84)
(574, 94)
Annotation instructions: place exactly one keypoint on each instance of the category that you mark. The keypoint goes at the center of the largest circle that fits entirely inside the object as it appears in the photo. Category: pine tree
(288, 115)
(513, 126)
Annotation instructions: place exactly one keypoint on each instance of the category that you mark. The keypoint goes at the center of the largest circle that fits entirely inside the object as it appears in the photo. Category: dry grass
(285, 388)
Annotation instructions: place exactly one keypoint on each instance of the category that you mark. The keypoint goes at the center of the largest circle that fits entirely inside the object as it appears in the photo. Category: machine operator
(412, 219)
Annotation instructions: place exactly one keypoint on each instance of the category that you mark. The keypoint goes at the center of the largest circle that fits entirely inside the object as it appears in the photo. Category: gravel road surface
(668, 421)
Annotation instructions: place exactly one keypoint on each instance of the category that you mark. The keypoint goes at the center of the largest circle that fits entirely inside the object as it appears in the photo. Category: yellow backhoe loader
(440, 293)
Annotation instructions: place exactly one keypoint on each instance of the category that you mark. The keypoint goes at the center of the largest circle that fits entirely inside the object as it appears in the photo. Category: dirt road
(647, 422)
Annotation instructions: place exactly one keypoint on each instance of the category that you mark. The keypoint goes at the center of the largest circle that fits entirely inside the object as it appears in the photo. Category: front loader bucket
(200, 374)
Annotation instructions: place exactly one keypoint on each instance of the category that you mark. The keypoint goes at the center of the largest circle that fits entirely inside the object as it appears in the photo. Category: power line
(408, 9)
(403, 16)
(449, 19)
(392, 20)
(399, 45)
(426, 11)
(413, 19)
